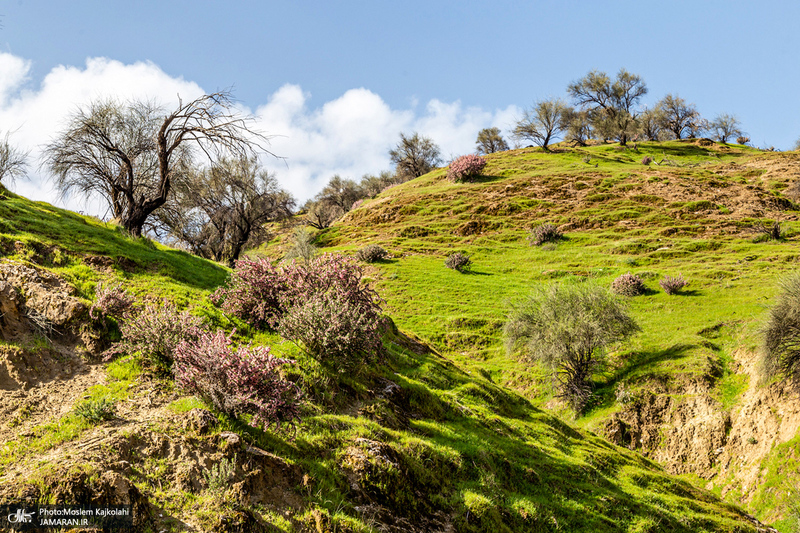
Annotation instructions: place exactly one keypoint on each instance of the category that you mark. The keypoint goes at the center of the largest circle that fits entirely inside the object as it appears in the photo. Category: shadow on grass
(476, 273)
(486, 179)
(691, 292)
(604, 393)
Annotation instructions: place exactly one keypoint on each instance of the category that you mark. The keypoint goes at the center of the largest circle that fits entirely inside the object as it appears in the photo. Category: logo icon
(21, 517)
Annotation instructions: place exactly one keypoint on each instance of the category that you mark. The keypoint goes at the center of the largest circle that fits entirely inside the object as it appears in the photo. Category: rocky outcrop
(34, 300)
(685, 429)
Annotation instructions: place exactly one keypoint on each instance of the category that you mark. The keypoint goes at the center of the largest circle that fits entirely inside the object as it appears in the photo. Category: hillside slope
(691, 396)
(412, 443)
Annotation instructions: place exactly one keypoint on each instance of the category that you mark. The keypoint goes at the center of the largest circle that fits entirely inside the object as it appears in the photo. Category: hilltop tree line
(609, 109)
(193, 175)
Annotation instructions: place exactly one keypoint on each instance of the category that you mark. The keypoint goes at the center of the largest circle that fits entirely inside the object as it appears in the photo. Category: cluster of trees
(193, 175)
(608, 109)
(413, 156)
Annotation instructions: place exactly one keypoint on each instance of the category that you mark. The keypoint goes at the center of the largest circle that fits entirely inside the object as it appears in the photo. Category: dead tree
(131, 154)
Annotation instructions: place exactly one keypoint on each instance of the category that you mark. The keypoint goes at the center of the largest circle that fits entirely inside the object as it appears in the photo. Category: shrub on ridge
(465, 168)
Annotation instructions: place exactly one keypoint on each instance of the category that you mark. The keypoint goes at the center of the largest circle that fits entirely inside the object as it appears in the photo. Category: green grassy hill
(694, 211)
(426, 439)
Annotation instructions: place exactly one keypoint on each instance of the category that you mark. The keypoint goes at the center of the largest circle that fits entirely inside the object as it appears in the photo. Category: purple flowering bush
(253, 293)
(628, 285)
(333, 328)
(321, 303)
(673, 285)
(154, 333)
(465, 168)
(237, 381)
(110, 301)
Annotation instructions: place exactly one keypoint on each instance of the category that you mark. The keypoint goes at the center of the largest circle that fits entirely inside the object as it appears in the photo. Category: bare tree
(680, 117)
(131, 154)
(222, 209)
(13, 161)
(611, 104)
(542, 122)
(490, 141)
(415, 155)
(726, 126)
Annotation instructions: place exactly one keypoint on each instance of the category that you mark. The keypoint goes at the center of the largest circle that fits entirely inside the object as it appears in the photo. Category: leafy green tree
(567, 329)
(490, 141)
(415, 156)
(542, 122)
(611, 104)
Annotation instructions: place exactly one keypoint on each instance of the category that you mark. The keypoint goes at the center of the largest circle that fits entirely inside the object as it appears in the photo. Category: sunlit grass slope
(449, 447)
(691, 212)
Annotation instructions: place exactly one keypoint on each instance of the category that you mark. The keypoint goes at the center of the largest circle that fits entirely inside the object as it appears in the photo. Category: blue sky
(338, 81)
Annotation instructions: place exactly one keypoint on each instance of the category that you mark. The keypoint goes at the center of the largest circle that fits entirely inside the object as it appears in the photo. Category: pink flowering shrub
(237, 382)
(346, 311)
(110, 301)
(673, 285)
(628, 285)
(253, 292)
(154, 333)
(333, 328)
(465, 168)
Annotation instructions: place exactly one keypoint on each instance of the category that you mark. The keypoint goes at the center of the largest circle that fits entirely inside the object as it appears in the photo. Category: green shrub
(628, 285)
(96, 410)
(220, 475)
(302, 245)
(544, 233)
(372, 253)
(781, 334)
(567, 328)
(458, 261)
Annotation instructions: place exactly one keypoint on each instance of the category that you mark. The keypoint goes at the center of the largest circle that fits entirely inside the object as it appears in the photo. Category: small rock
(200, 421)
(230, 439)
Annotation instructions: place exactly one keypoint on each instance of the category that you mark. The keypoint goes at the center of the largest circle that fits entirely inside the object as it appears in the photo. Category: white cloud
(36, 114)
(350, 135)
(353, 134)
